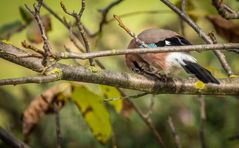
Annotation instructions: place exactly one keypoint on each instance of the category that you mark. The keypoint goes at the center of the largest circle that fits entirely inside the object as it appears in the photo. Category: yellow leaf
(234, 76)
(94, 112)
(199, 85)
(110, 92)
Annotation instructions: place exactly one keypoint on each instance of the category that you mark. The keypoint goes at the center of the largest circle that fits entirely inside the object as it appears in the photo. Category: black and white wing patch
(200, 72)
(173, 41)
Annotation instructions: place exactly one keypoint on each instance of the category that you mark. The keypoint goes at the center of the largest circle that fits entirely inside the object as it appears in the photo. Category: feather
(201, 73)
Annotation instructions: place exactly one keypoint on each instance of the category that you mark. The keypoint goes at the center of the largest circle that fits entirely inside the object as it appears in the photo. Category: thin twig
(73, 40)
(183, 8)
(29, 79)
(183, 5)
(55, 15)
(127, 97)
(10, 140)
(114, 52)
(75, 60)
(58, 127)
(36, 13)
(80, 27)
(201, 100)
(174, 133)
(150, 124)
(140, 13)
(202, 34)
(104, 13)
(224, 10)
(132, 34)
(147, 120)
(31, 47)
(151, 105)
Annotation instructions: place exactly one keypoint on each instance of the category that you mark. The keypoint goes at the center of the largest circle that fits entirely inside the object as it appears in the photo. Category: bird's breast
(175, 60)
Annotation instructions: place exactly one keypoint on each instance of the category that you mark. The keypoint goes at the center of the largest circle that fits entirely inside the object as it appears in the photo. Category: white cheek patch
(167, 42)
(177, 59)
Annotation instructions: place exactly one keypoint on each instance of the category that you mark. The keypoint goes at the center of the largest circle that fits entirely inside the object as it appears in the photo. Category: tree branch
(80, 27)
(201, 100)
(36, 14)
(6, 137)
(174, 133)
(118, 79)
(24, 80)
(104, 13)
(58, 126)
(150, 124)
(224, 10)
(103, 53)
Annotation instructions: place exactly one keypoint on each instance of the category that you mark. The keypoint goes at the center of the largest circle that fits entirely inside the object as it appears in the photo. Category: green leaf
(110, 92)
(26, 16)
(94, 112)
(8, 28)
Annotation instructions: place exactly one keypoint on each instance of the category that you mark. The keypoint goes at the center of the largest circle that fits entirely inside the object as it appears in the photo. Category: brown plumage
(165, 63)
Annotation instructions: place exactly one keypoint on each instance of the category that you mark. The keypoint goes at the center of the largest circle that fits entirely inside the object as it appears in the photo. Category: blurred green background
(222, 111)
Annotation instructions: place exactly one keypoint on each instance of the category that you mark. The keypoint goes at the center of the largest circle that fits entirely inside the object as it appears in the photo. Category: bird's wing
(157, 60)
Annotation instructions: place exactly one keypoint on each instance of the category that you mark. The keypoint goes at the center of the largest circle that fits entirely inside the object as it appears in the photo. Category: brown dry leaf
(225, 28)
(33, 32)
(42, 105)
(127, 109)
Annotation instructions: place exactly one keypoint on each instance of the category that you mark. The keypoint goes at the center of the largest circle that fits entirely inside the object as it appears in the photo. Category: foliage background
(222, 111)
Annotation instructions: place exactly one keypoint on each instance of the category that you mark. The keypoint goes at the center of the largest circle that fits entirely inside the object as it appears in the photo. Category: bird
(163, 65)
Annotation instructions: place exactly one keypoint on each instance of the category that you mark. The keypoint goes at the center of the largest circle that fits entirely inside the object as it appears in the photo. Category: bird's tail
(201, 73)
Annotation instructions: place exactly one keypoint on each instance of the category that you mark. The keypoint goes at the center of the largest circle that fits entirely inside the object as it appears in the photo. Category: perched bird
(168, 63)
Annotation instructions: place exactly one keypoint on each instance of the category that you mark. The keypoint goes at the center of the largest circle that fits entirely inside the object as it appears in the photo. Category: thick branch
(123, 80)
